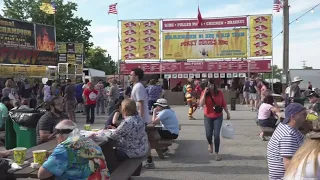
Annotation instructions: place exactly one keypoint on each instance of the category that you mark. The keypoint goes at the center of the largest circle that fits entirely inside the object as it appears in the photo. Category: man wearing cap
(314, 99)
(75, 157)
(163, 114)
(285, 140)
(293, 92)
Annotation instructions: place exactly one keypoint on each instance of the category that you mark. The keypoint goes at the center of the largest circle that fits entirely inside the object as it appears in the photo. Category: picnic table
(132, 166)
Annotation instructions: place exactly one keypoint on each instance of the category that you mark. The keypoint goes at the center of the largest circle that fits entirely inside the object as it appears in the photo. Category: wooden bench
(128, 168)
(120, 170)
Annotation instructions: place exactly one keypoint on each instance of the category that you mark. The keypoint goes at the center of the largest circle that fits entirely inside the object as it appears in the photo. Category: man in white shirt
(139, 94)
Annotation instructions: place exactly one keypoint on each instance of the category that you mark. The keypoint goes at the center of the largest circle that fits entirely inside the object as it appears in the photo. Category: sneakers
(148, 165)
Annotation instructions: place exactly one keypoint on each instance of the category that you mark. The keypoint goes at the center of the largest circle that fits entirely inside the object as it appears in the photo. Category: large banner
(15, 34)
(140, 39)
(202, 45)
(27, 57)
(219, 66)
(260, 36)
(46, 39)
(207, 23)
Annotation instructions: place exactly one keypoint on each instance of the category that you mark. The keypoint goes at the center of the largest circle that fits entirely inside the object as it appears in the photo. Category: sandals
(210, 150)
(217, 157)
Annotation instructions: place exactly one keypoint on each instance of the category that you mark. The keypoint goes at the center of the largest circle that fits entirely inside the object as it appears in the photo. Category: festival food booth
(227, 74)
(26, 49)
(226, 49)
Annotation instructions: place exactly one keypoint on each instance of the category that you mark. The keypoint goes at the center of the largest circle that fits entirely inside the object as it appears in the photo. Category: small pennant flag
(200, 20)
(113, 9)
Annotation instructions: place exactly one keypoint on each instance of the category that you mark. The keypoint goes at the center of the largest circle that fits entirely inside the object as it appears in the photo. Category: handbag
(216, 108)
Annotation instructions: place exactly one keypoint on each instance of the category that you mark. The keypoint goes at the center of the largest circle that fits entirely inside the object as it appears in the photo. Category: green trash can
(26, 137)
(10, 139)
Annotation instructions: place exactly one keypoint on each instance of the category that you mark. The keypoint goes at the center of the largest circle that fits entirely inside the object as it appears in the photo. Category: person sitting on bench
(163, 114)
(266, 114)
(130, 136)
(115, 118)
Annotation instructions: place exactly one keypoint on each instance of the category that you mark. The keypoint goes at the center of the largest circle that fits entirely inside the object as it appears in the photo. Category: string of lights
(297, 19)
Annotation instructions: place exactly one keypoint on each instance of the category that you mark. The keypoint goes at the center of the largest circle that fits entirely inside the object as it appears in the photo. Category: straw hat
(161, 102)
(296, 79)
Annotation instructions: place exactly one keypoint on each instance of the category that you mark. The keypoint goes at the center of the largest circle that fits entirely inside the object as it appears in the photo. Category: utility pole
(304, 64)
(286, 41)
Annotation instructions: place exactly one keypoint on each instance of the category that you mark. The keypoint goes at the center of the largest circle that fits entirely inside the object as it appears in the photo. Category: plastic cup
(311, 117)
(19, 155)
(39, 156)
(87, 127)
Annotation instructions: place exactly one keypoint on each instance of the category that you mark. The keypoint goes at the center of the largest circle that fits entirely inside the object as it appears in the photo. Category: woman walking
(214, 103)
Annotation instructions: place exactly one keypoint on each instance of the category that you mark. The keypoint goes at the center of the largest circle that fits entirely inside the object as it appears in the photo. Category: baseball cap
(313, 94)
(292, 109)
(161, 102)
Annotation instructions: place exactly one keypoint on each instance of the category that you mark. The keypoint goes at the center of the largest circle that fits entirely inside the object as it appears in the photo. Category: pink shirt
(264, 111)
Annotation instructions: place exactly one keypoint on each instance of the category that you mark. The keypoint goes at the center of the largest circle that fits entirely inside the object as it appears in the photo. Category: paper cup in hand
(19, 155)
(39, 156)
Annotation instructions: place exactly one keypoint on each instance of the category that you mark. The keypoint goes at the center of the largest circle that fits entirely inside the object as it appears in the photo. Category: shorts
(79, 100)
(253, 96)
(246, 95)
(70, 105)
(270, 122)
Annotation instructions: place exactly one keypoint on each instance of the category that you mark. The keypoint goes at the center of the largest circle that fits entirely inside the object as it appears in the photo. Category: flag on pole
(200, 20)
(48, 8)
(277, 5)
(113, 9)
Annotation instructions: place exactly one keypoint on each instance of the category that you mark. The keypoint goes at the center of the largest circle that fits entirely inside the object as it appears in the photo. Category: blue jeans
(213, 127)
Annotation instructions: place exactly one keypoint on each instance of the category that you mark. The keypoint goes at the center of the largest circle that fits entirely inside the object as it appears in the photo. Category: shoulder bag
(216, 108)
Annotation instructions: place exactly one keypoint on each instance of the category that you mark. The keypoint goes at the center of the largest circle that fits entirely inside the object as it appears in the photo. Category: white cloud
(313, 25)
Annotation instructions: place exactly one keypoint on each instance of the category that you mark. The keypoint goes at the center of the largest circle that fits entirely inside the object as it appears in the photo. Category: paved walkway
(243, 157)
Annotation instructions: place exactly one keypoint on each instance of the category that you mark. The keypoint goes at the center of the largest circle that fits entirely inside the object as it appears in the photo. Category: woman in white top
(305, 164)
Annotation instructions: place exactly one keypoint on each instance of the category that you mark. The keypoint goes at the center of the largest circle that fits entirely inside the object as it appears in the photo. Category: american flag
(113, 9)
(277, 5)
(54, 7)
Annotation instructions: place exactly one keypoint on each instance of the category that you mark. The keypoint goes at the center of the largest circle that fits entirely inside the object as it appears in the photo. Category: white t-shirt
(139, 93)
(309, 172)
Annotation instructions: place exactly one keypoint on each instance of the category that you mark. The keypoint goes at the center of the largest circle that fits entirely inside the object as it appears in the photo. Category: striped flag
(199, 18)
(277, 5)
(113, 9)
(54, 7)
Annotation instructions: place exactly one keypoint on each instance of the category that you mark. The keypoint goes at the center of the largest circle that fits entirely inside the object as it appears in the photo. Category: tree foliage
(69, 28)
(99, 59)
(276, 73)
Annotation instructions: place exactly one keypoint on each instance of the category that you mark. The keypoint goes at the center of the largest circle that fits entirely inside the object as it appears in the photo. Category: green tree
(99, 59)
(69, 28)
(276, 73)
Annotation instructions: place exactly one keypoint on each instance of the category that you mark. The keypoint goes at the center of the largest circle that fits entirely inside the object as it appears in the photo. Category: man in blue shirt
(162, 114)
(5, 102)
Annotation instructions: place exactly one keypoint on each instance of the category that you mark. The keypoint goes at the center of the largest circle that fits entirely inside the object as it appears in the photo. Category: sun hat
(292, 109)
(313, 94)
(161, 102)
(296, 79)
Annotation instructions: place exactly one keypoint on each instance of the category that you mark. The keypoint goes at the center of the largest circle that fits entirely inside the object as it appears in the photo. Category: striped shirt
(284, 142)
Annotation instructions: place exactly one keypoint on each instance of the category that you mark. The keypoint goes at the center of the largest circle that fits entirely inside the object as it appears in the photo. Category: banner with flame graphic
(202, 45)
(260, 36)
(140, 39)
(45, 38)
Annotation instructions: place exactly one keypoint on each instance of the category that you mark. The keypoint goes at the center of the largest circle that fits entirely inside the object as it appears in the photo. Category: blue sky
(304, 35)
